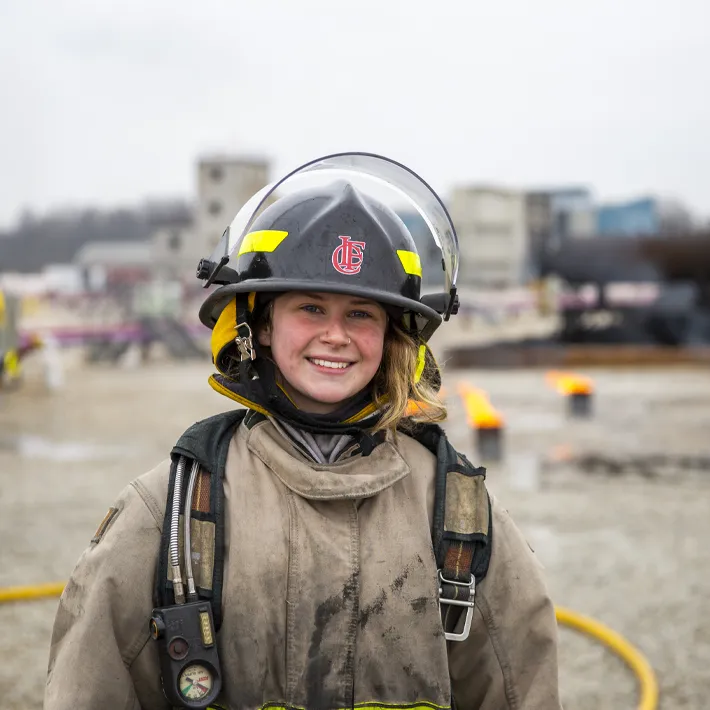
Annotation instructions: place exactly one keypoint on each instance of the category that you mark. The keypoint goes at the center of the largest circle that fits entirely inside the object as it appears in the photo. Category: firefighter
(283, 556)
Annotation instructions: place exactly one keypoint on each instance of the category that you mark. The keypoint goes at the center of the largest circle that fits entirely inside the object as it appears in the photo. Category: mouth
(330, 366)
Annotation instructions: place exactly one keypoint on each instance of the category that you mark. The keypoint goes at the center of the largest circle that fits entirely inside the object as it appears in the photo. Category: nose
(335, 333)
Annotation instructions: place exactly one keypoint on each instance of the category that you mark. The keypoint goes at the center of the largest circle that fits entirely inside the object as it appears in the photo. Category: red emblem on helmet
(347, 258)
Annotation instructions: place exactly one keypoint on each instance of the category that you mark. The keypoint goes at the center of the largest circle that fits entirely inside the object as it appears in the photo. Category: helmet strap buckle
(245, 343)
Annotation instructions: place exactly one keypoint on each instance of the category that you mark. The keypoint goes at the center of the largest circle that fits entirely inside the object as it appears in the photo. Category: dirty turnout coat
(330, 596)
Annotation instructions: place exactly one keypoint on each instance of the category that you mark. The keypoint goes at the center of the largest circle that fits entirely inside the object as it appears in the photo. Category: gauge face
(195, 682)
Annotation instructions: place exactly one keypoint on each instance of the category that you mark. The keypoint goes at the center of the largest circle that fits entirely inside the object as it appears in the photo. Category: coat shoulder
(152, 487)
(416, 454)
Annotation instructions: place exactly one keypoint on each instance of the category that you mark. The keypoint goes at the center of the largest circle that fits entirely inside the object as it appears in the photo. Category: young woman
(312, 580)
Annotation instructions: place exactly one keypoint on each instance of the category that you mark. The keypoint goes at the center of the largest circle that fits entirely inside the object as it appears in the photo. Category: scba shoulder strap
(461, 533)
(204, 444)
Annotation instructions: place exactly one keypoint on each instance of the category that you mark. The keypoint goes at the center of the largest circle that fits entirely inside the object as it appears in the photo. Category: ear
(264, 335)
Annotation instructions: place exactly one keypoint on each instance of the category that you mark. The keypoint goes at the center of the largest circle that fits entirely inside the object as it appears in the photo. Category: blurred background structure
(571, 145)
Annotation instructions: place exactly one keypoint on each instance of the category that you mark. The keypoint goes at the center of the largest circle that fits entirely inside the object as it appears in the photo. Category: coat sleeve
(510, 658)
(101, 655)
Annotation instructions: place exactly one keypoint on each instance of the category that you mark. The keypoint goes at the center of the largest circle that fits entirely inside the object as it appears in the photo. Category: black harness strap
(462, 532)
(206, 442)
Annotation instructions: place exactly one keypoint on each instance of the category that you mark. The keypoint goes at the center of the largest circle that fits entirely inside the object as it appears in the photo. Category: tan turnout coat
(330, 594)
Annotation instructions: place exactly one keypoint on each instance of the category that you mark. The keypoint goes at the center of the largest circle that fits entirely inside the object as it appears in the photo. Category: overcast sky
(109, 103)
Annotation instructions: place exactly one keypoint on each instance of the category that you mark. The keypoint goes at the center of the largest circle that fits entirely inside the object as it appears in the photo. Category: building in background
(115, 266)
(540, 225)
(574, 214)
(224, 184)
(175, 252)
(555, 216)
(493, 236)
(645, 216)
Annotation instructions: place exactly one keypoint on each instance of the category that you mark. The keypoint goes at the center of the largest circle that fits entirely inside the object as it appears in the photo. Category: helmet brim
(218, 299)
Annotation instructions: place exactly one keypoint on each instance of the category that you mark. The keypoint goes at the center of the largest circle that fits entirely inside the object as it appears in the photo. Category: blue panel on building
(629, 218)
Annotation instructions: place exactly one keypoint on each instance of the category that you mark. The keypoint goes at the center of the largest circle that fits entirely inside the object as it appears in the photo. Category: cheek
(288, 342)
(371, 346)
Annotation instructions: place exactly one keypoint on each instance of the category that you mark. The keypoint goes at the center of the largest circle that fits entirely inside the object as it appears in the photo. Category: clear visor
(389, 181)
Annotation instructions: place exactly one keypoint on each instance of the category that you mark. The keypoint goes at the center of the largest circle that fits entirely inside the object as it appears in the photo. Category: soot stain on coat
(373, 609)
(424, 688)
(319, 664)
(419, 604)
(391, 634)
(398, 583)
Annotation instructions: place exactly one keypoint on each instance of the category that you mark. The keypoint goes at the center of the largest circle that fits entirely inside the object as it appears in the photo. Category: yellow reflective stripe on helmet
(224, 331)
(410, 261)
(263, 240)
(421, 360)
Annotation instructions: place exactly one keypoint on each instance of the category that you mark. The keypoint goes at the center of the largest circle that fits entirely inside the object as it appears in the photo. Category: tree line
(38, 241)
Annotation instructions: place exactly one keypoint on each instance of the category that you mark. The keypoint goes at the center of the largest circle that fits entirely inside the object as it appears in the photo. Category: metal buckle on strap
(469, 604)
(245, 343)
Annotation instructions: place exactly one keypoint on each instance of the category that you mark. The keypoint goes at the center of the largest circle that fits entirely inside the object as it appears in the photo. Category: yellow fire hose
(648, 684)
(38, 591)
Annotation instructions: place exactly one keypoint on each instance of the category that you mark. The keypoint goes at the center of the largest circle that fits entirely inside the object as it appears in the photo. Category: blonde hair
(395, 386)
(404, 399)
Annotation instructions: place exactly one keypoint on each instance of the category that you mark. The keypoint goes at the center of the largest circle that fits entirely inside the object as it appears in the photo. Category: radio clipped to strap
(462, 533)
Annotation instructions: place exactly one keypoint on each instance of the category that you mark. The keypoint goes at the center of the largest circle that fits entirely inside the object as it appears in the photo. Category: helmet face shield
(381, 177)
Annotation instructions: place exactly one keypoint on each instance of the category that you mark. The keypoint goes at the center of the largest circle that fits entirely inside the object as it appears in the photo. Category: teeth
(328, 363)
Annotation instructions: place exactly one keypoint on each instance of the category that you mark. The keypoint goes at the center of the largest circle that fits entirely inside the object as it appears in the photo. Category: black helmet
(334, 239)
(337, 238)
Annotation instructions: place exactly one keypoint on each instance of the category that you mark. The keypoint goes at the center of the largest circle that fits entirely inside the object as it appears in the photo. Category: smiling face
(327, 346)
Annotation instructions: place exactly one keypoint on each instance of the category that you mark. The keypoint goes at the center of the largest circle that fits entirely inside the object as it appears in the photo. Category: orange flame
(481, 413)
(568, 383)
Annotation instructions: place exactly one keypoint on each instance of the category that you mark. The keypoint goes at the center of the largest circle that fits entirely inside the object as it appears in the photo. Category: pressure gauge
(195, 682)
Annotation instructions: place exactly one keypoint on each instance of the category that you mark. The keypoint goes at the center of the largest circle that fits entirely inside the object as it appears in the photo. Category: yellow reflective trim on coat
(263, 240)
(421, 705)
(410, 261)
(421, 361)
(366, 411)
(218, 387)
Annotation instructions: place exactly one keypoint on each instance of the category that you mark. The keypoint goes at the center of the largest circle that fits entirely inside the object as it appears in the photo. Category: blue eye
(310, 308)
(361, 314)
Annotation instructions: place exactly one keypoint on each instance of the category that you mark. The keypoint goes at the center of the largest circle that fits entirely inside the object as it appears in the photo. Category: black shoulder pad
(462, 532)
(204, 439)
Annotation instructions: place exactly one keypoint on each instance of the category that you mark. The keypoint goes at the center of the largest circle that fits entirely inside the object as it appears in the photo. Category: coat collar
(349, 478)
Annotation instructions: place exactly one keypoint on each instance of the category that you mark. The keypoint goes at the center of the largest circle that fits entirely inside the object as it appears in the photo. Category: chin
(333, 399)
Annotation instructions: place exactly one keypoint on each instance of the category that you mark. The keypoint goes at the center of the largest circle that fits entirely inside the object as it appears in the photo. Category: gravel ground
(622, 536)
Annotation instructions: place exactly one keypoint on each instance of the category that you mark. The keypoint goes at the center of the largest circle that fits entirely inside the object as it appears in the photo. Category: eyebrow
(354, 302)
